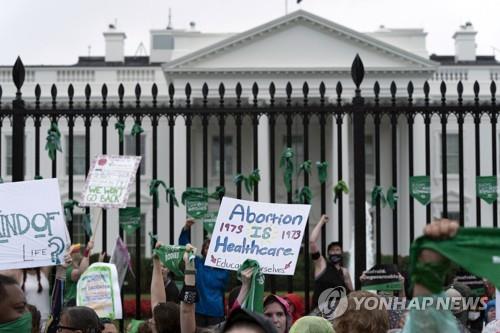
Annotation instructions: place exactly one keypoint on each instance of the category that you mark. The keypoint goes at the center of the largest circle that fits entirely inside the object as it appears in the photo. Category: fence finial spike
(18, 74)
(357, 71)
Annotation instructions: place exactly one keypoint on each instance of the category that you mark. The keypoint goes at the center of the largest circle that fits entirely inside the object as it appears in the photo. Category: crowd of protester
(201, 306)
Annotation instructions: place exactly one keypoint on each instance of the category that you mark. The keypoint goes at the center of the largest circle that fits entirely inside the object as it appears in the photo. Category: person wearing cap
(329, 272)
(241, 320)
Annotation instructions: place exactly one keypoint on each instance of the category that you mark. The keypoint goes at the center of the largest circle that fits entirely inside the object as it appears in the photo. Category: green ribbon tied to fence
(120, 126)
(38, 177)
(286, 163)
(169, 192)
(305, 167)
(254, 299)
(192, 194)
(87, 225)
(322, 171)
(304, 195)
(171, 256)
(249, 181)
(136, 129)
(378, 192)
(392, 197)
(53, 143)
(218, 194)
(340, 188)
(68, 209)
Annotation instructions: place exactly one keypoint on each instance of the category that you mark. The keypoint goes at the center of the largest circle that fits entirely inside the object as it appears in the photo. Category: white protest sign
(98, 289)
(268, 233)
(110, 181)
(33, 232)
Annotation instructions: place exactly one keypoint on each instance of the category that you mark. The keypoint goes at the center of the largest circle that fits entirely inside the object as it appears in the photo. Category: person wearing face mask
(14, 314)
(211, 283)
(329, 272)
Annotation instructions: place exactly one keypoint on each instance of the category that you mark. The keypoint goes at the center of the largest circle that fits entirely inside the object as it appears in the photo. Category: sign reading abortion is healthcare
(109, 181)
(268, 233)
(32, 228)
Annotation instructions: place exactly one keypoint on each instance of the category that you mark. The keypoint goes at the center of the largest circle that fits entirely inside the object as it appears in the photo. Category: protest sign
(98, 289)
(486, 188)
(109, 181)
(475, 283)
(33, 232)
(381, 278)
(121, 259)
(420, 189)
(268, 233)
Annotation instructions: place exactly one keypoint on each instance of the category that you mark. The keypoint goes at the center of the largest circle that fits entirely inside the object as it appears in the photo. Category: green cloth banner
(53, 143)
(196, 201)
(209, 221)
(322, 171)
(486, 188)
(130, 219)
(378, 192)
(254, 301)
(420, 189)
(305, 167)
(286, 163)
(171, 256)
(120, 126)
(169, 192)
(476, 250)
(392, 197)
(340, 188)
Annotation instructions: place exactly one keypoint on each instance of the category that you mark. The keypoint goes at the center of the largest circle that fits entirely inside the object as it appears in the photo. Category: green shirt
(69, 287)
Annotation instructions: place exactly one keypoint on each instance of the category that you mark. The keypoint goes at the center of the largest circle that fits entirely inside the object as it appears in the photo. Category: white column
(179, 176)
(264, 164)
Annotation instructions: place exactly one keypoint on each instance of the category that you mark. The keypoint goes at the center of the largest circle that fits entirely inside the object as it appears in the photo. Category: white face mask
(473, 316)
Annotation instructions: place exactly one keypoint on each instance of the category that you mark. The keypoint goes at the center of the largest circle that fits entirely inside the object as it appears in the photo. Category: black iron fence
(302, 109)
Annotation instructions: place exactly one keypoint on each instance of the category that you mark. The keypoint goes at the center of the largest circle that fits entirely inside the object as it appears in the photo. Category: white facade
(295, 48)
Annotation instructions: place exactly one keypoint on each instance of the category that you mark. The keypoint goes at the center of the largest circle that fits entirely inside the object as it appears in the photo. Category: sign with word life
(110, 181)
(381, 278)
(268, 233)
(33, 232)
(98, 288)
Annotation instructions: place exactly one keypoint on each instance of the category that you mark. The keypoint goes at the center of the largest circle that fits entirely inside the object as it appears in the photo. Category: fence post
(358, 123)
(18, 123)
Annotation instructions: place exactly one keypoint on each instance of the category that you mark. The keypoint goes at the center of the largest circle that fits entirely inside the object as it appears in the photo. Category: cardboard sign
(476, 284)
(382, 278)
(98, 289)
(268, 233)
(110, 181)
(33, 232)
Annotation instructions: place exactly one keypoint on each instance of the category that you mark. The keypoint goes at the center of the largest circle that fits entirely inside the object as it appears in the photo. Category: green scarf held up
(340, 188)
(171, 257)
(286, 162)
(130, 219)
(21, 324)
(68, 209)
(477, 250)
(254, 301)
(120, 126)
(322, 171)
(53, 143)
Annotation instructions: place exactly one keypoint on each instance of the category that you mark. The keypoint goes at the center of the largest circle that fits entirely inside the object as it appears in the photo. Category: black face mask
(335, 258)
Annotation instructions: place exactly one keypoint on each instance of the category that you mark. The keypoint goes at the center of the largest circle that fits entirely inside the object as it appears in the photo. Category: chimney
(114, 45)
(465, 43)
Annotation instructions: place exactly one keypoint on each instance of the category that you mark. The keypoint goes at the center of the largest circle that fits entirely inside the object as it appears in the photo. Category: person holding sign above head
(328, 273)
(74, 271)
(211, 284)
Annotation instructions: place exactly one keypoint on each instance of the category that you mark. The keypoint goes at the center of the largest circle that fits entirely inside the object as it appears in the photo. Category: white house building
(294, 48)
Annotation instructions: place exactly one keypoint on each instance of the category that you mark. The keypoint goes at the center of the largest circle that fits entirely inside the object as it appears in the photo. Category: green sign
(486, 188)
(420, 189)
(130, 219)
(196, 202)
(209, 222)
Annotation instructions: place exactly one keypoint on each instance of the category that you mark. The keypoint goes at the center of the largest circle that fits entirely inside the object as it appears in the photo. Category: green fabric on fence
(136, 129)
(120, 126)
(38, 177)
(254, 301)
(486, 188)
(130, 219)
(340, 188)
(305, 167)
(477, 250)
(196, 201)
(53, 143)
(169, 192)
(304, 195)
(286, 162)
(68, 209)
(250, 181)
(378, 192)
(218, 194)
(392, 197)
(87, 225)
(322, 171)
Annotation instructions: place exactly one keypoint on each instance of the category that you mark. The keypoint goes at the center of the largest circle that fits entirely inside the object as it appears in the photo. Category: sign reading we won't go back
(109, 181)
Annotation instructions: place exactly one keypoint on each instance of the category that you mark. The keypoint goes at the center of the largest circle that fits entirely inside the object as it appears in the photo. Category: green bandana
(322, 171)
(420, 189)
(486, 188)
(120, 126)
(169, 192)
(378, 192)
(392, 197)
(250, 182)
(136, 129)
(68, 209)
(53, 143)
(303, 196)
(171, 257)
(130, 219)
(196, 201)
(255, 297)
(209, 222)
(87, 227)
(477, 250)
(218, 194)
(305, 167)
(340, 188)
(286, 162)
(20, 325)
